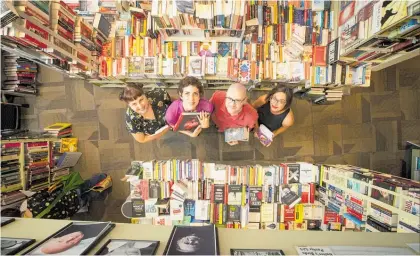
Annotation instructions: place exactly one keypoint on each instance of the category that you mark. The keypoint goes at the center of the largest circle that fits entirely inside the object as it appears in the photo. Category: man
(231, 109)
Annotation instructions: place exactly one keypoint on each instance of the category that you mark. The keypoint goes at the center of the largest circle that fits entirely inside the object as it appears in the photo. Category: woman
(190, 91)
(274, 111)
(145, 115)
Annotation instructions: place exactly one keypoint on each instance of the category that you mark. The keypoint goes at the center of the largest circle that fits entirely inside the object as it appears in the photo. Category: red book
(320, 56)
(312, 193)
(289, 213)
(188, 121)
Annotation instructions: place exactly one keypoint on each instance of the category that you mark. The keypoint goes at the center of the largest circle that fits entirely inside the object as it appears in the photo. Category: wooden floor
(368, 128)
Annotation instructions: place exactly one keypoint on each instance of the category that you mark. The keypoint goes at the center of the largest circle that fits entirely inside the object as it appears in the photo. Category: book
(188, 121)
(255, 252)
(236, 134)
(6, 220)
(138, 207)
(193, 240)
(265, 135)
(219, 193)
(68, 145)
(234, 195)
(289, 197)
(127, 246)
(392, 12)
(85, 235)
(234, 213)
(176, 210)
(57, 127)
(11, 246)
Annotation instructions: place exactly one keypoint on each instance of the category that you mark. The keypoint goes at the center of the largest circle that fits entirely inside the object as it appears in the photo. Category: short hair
(282, 88)
(190, 80)
(131, 92)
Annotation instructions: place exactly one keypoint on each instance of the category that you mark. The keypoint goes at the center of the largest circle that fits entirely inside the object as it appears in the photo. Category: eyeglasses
(233, 101)
(276, 101)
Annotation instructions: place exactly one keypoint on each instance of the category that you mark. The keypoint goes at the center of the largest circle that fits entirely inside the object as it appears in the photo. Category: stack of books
(10, 168)
(37, 165)
(59, 130)
(20, 74)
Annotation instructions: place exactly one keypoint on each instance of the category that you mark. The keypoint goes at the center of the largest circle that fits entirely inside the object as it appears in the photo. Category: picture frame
(6, 220)
(11, 246)
(256, 252)
(111, 246)
(82, 237)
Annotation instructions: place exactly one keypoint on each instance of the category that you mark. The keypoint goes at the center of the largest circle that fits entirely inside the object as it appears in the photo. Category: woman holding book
(274, 113)
(145, 115)
(191, 101)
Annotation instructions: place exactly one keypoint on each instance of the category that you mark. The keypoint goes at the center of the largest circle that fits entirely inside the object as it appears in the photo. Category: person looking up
(274, 110)
(231, 109)
(191, 99)
(145, 115)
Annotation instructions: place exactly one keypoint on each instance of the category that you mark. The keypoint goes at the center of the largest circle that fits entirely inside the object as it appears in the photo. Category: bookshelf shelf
(397, 58)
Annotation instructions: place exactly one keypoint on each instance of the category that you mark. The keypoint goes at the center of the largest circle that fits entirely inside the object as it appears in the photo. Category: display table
(39, 229)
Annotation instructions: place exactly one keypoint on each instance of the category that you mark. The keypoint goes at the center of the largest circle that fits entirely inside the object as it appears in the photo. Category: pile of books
(37, 165)
(59, 130)
(10, 168)
(20, 74)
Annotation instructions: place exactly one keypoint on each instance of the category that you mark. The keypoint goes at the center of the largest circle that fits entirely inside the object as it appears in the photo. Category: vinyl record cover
(128, 247)
(192, 241)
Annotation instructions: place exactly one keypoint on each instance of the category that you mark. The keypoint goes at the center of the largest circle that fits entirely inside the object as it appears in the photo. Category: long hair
(282, 88)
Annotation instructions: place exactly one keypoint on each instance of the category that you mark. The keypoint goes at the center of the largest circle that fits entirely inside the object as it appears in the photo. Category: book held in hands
(265, 135)
(236, 134)
(188, 121)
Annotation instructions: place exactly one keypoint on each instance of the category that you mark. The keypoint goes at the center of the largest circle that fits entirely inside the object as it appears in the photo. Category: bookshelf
(322, 196)
(266, 41)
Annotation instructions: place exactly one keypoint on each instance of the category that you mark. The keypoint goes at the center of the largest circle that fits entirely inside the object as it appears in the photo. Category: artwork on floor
(11, 246)
(193, 241)
(128, 247)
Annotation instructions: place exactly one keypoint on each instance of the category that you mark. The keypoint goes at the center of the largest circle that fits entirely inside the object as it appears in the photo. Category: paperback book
(188, 121)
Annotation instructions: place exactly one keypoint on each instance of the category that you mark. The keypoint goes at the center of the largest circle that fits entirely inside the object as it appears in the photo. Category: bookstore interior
(127, 123)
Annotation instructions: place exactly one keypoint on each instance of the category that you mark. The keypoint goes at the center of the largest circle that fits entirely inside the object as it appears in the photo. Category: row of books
(20, 74)
(37, 165)
(349, 199)
(243, 196)
(10, 167)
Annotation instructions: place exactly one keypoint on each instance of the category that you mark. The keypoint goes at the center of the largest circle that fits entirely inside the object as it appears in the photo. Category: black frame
(29, 242)
(4, 223)
(112, 225)
(257, 250)
(119, 239)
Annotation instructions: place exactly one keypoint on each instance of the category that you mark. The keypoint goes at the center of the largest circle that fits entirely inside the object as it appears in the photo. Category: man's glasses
(276, 101)
(233, 101)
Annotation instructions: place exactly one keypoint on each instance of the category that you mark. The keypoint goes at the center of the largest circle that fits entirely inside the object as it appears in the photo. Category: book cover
(57, 127)
(234, 213)
(68, 145)
(195, 66)
(126, 246)
(392, 12)
(293, 173)
(187, 122)
(244, 71)
(314, 224)
(234, 195)
(267, 212)
(154, 189)
(255, 198)
(138, 207)
(288, 196)
(236, 134)
(265, 135)
(193, 240)
(11, 246)
(202, 210)
(150, 208)
(219, 193)
(189, 208)
(85, 235)
(176, 210)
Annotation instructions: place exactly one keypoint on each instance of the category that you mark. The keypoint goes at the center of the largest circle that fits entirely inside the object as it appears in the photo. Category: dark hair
(189, 80)
(282, 88)
(131, 92)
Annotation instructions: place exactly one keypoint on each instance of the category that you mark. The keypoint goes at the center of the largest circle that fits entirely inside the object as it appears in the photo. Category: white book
(267, 211)
(150, 208)
(202, 209)
(176, 210)
(147, 170)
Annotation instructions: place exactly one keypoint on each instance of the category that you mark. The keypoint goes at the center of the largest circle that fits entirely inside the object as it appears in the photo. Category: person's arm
(144, 138)
(172, 115)
(260, 101)
(287, 122)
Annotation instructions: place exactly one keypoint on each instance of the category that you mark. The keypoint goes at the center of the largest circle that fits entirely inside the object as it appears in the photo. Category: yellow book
(282, 226)
(174, 170)
(156, 171)
(211, 213)
(275, 13)
(141, 47)
(160, 66)
(169, 52)
(243, 202)
(5, 189)
(220, 220)
(260, 176)
(299, 213)
(57, 127)
(68, 145)
(251, 176)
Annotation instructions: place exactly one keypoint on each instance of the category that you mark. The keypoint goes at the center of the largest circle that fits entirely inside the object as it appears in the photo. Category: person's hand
(256, 135)
(61, 244)
(204, 119)
(263, 141)
(193, 134)
(233, 143)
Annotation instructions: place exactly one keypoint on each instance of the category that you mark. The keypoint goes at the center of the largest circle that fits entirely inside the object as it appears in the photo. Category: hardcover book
(265, 135)
(219, 193)
(236, 134)
(138, 207)
(193, 240)
(234, 213)
(11, 246)
(188, 121)
(128, 247)
(235, 194)
(84, 236)
(288, 196)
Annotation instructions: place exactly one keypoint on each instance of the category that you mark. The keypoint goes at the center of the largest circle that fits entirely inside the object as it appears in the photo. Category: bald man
(231, 109)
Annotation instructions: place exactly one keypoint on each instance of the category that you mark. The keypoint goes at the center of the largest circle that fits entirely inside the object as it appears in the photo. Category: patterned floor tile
(358, 138)
(328, 140)
(114, 155)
